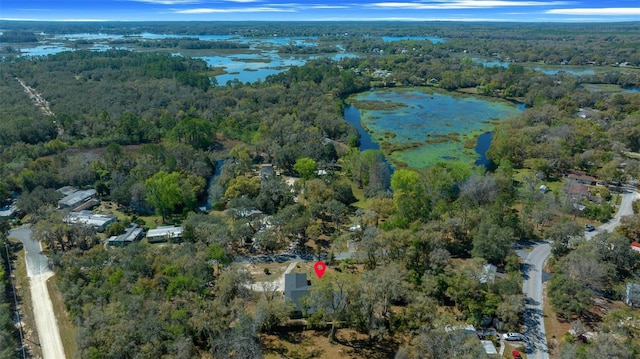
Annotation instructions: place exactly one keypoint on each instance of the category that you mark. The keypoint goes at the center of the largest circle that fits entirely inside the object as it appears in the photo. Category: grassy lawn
(67, 330)
(21, 282)
(275, 270)
(509, 347)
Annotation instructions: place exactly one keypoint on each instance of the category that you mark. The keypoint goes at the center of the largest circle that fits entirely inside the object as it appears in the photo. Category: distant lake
(547, 69)
(422, 127)
(251, 67)
(262, 61)
(434, 40)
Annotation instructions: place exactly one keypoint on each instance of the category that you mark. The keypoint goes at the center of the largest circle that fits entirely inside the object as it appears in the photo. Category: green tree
(163, 192)
(408, 195)
(492, 242)
(306, 167)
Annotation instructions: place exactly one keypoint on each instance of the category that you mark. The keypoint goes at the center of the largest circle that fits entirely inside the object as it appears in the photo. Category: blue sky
(292, 10)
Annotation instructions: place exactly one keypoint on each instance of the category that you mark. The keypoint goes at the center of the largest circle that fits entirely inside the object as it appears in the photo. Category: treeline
(18, 36)
(190, 44)
(9, 344)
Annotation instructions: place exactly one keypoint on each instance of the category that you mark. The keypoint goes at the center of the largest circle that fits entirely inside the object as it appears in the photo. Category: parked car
(589, 228)
(512, 336)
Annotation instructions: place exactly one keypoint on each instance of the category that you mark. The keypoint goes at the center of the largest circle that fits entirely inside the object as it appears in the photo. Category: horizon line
(407, 20)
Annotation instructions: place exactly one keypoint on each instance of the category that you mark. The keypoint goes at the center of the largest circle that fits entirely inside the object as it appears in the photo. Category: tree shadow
(366, 347)
(525, 268)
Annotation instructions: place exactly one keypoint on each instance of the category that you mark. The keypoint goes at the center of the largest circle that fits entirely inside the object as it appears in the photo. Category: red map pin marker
(320, 267)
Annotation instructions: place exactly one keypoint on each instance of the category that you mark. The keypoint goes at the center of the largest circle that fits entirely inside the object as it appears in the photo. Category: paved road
(625, 209)
(37, 263)
(38, 272)
(536, 343)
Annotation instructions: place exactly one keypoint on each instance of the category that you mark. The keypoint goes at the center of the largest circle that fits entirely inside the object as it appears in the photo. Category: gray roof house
(163, 234)
(266, 171)
(296, 286)
(96, 221)
(74, 199)
(131, 234)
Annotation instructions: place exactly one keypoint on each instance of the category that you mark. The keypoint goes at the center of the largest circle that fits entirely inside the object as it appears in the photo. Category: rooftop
(89, 219)
(76, 198)
(132, 233)
(165, 231)
(579, 189)
(581, 176)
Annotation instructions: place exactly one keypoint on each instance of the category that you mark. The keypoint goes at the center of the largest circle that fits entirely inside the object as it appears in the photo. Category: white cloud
(462, 4)
(243, 1)
(232, 10)
(612, 11)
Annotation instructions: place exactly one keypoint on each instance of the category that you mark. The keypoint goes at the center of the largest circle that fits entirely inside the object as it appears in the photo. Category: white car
(512, 336)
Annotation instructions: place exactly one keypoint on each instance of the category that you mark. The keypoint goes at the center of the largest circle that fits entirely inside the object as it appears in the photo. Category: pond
(421, 127)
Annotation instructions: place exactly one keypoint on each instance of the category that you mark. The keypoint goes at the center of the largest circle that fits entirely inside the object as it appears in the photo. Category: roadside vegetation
(148, 130)
(9, 336)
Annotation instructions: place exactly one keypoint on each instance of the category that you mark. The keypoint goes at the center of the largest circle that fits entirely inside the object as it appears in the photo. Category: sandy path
(48, 332)
(277, 284)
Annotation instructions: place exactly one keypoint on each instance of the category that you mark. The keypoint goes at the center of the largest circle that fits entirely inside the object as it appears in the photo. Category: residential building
(75, 199)
(582, 178)
(266, 171)
(130, 235)
(578, 191)
(296, 286)
(164, 233)
(97, 221)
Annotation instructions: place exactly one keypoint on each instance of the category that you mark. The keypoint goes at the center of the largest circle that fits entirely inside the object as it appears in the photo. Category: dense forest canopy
(147, 130)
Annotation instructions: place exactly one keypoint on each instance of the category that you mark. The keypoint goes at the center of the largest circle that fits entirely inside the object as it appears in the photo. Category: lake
(421, 127)
(262, 61)
(546, 69)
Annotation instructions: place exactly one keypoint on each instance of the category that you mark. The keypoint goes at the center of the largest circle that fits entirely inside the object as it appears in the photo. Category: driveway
(38, 272)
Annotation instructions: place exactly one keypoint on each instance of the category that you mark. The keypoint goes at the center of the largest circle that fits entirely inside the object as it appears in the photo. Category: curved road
(536, 342)
(38, 272)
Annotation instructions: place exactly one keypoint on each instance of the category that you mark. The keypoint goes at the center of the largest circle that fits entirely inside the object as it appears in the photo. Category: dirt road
(38, 272)
(48, 332)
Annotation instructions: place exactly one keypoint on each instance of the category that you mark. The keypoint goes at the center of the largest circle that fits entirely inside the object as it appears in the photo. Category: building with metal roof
(93, 220)
(164, 233)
